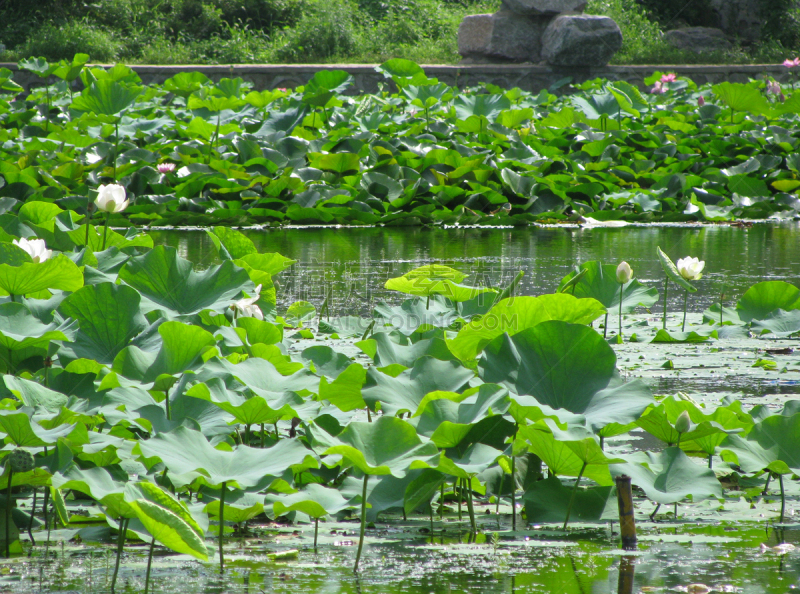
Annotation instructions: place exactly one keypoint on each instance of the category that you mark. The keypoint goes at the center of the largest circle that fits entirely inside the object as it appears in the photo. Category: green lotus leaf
(106, 485)
(764, 299)
(35, 395)
(39, 66)
(669, 476)
(600, 283)
(570, 452)
(240, 506)
(548, 501)
(344, 392)
(672, 272)
(184, 84)
(696, 335)
(405, 392)
(169, 281)
(488, 106)
(230, 243)
(109, 318)
(22, 433)
(388, 445)
(741, 97)
(779, 322)
(169, 529)
(106, 97)
(773, 443)
(313, 500)
(387, 348)
(191, 459)
(516, 314)
(23, 335)
(400, 67)
(470, 461)
(183, 347)
(247, 411)
(58, 272)
(565, 366)
(660, 420)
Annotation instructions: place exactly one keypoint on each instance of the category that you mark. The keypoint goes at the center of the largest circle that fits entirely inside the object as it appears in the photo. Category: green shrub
(326, 29)
(57, 42)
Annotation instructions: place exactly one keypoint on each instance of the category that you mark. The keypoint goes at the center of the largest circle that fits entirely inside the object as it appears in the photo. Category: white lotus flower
(111, 198)
(691, 268)
(36, 249)
(624, 273)
(247, 308)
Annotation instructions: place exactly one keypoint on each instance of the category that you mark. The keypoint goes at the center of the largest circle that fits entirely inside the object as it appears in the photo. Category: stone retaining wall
(528, 77)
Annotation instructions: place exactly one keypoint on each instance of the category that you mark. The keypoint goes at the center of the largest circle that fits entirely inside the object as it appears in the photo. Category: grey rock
(581, 40)
(540, 7)
(698, 39)
(502, 36)
(738, 18)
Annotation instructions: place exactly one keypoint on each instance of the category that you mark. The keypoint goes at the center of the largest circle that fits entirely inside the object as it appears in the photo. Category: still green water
(355, 262)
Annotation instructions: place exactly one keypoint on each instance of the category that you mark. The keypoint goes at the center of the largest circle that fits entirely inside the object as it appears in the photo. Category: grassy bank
(312, 31)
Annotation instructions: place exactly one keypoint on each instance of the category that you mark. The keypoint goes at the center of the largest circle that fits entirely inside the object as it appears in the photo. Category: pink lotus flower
(658, 88)
(791, 63)
(166, 167)
(668, 78)
(774, 87)
(701, 101)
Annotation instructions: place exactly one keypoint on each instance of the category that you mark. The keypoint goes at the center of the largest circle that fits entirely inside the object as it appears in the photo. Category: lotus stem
(262, 435)
(711, 460)
(721, 295)
(675, 511)
(513, 483)
(685, 306)
(430, 514)
(123, 528)
(222, 526)
(88, 219)
(105, 230)
(783, 497)
(572, 497)
(620, 310)
(441, 501)
(363, 522)
(149, 564)
(8, 512)
(13, 297)
(666, 286)
(30, 519)
(766, 485)
(470, 507)
(605, 325)
(316, 532)
(457, 491)
(116, 144)
(655, 511)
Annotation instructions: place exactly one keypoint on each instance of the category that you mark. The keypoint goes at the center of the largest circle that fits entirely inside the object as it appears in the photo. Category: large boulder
(540, 7)
(698, 39)
(739, 18)
(503, 36)
(581, 40)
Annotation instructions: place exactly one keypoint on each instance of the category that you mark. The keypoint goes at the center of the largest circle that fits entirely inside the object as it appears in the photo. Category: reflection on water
(354, 263)
(726, 558)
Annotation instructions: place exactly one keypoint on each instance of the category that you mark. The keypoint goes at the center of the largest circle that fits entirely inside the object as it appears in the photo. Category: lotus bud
(111, 198)
(624, 273)
(683, 423)
(701, 101)
(690, 268)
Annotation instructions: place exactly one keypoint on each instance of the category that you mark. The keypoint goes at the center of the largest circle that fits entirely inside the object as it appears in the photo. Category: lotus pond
(396, 409)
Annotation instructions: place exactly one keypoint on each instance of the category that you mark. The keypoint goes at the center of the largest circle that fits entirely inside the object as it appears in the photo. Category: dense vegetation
(191, 152)
(329, 31)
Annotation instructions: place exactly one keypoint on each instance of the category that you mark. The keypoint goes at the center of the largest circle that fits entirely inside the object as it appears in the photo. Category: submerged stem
(666, 286)
(783, 497)
(572, 497)
(470, 507)
(605, 325)
(316, 532)
(363, 522)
